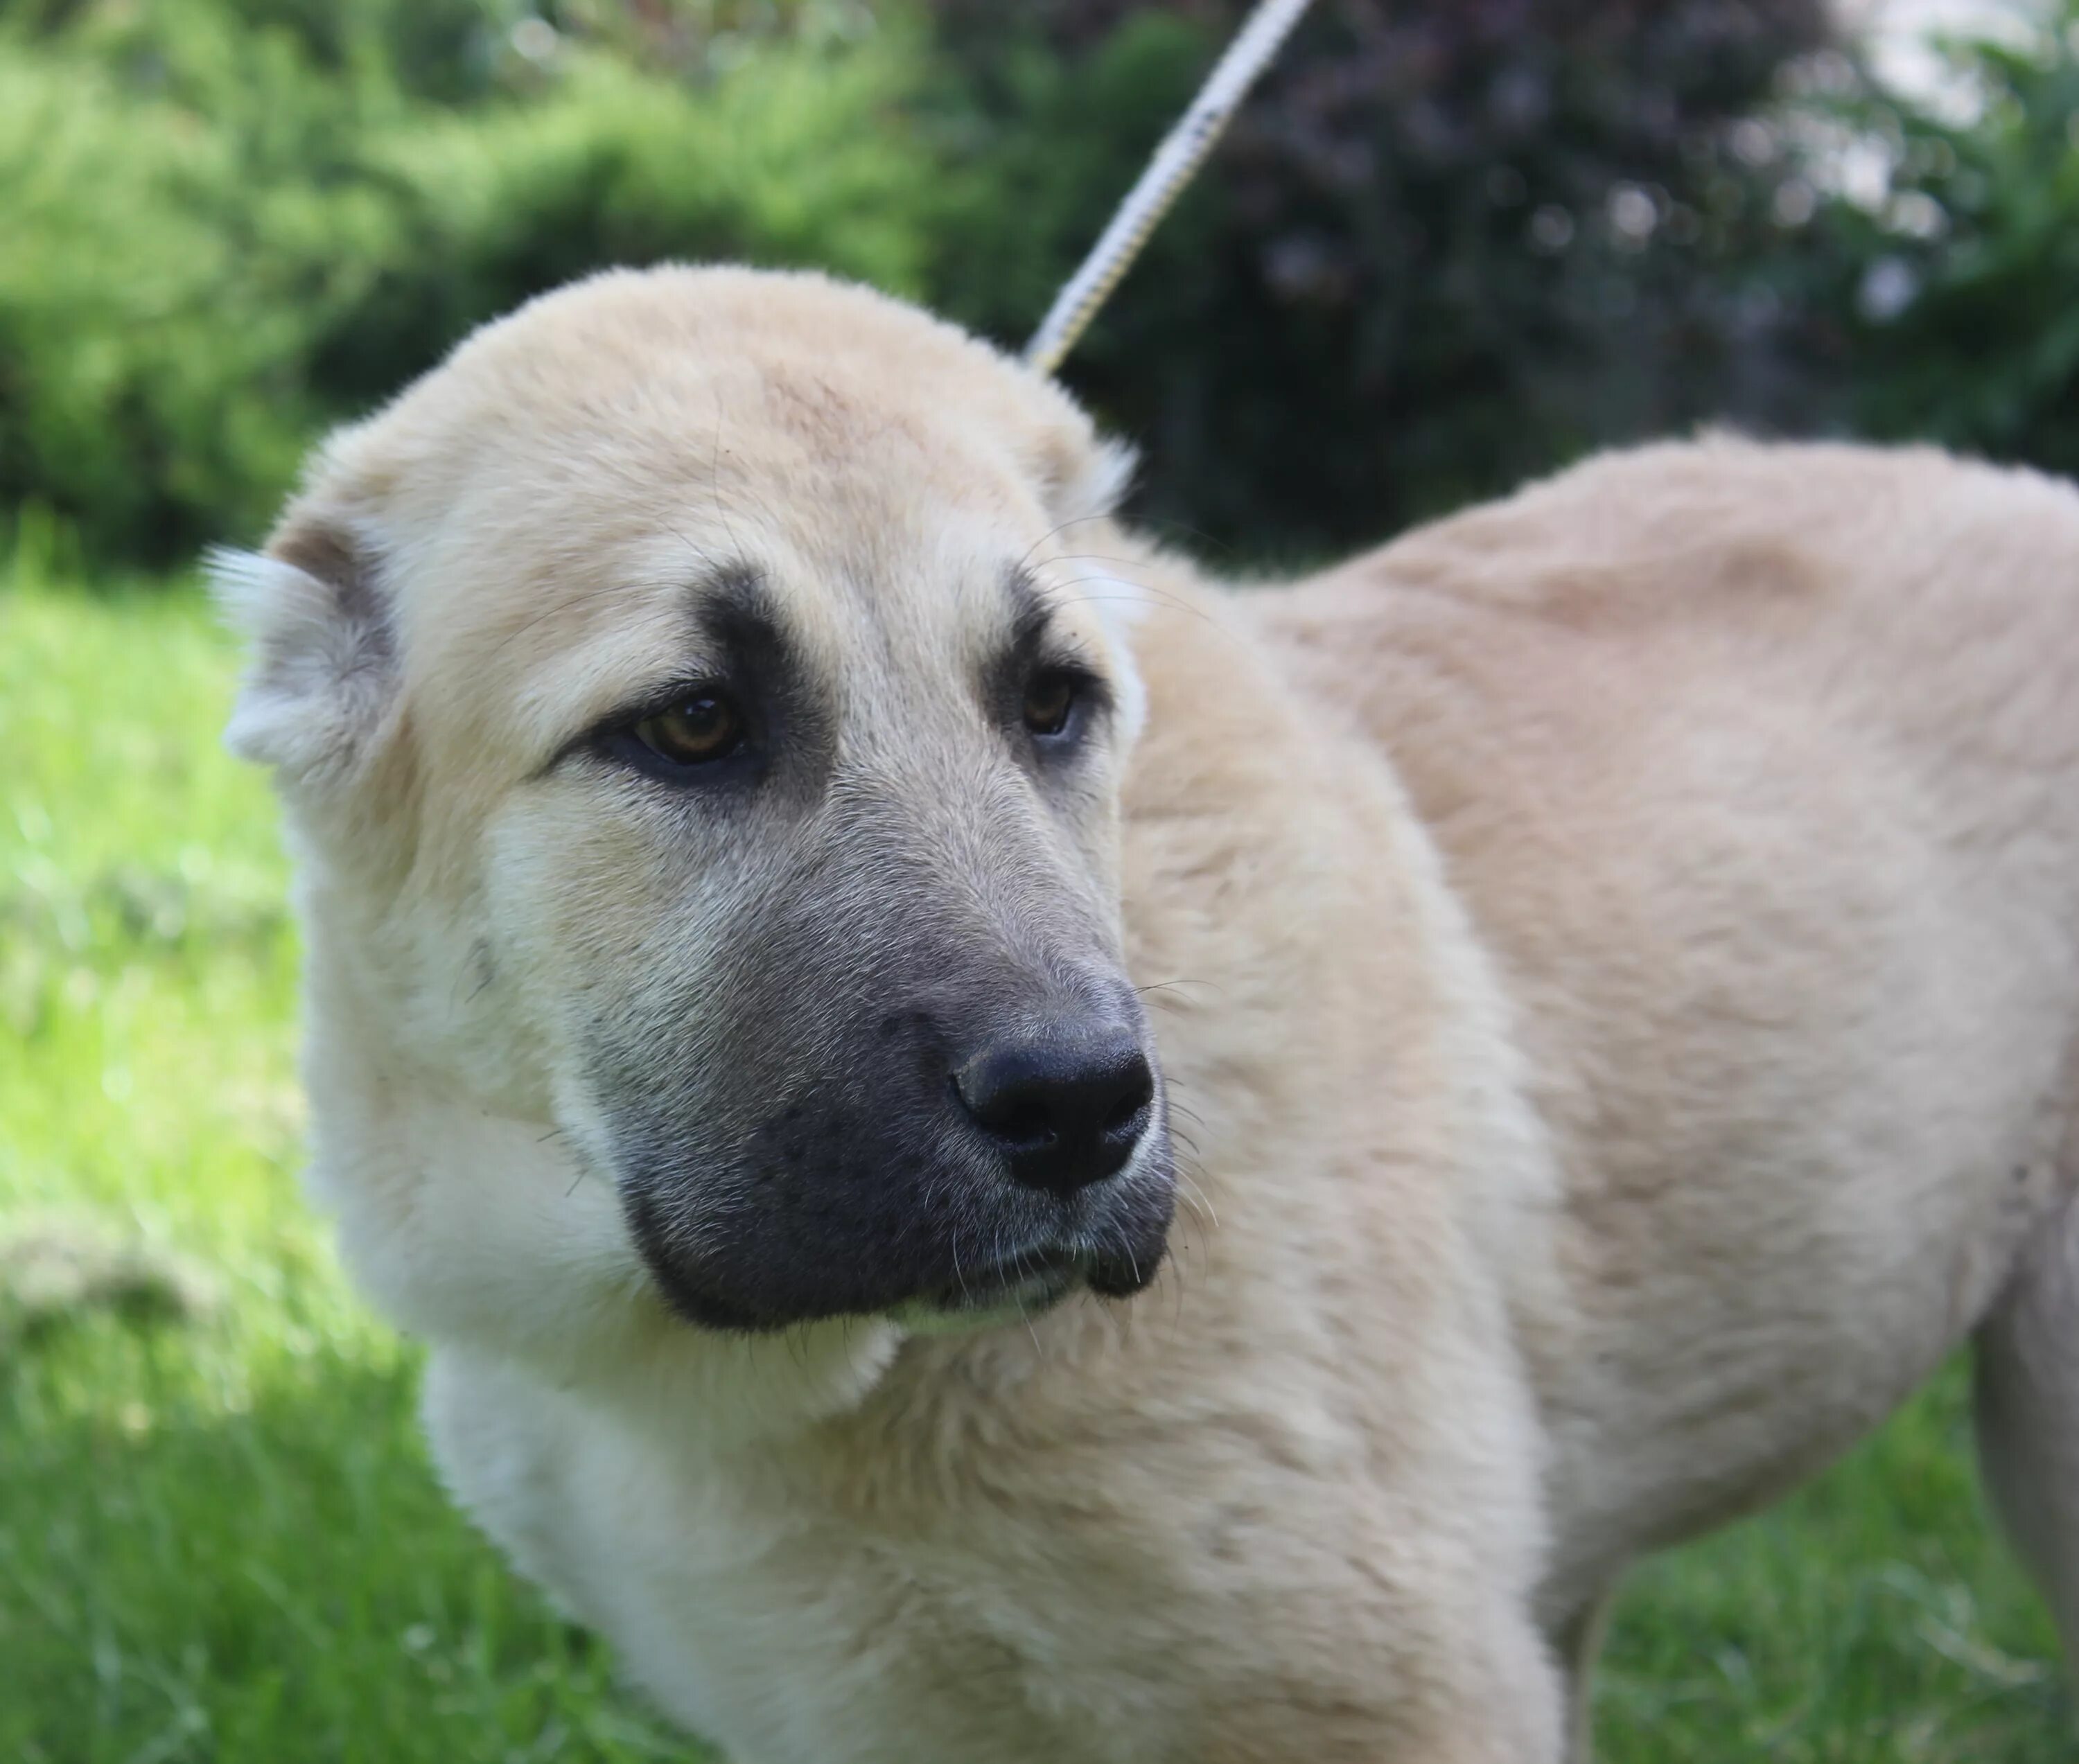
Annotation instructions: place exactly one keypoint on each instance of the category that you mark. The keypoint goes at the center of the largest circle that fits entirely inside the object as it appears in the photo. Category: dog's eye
(1050, 700)
(704, 726)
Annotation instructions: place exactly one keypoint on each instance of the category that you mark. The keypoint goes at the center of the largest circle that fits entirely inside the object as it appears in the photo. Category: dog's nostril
(1123, 1116)
(1026, 1122)
(1066, 1110)
(1132, 1103)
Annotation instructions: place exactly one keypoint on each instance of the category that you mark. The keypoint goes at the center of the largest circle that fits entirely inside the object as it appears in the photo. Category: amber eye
(1050, 700)
(701, 728)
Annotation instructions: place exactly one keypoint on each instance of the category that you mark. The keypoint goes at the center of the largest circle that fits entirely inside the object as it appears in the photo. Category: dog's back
(1759, 769)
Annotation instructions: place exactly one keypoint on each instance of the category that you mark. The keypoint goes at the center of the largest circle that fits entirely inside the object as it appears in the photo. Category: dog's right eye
(702, 727)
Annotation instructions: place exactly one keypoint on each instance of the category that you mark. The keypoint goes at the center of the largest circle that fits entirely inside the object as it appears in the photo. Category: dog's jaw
(496, 1234)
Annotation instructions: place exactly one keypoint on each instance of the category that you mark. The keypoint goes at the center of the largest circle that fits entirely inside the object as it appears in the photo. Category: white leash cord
(1183, 150)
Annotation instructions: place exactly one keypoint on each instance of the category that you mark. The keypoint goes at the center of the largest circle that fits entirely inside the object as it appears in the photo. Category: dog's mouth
(1021, 1285)
(1024, 1284)
(862, 1240)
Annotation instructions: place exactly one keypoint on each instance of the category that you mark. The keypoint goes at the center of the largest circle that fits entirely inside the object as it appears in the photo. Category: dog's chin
(1023, 1287)
(1016, 1288)
(1020, 1286)
(940, 1314)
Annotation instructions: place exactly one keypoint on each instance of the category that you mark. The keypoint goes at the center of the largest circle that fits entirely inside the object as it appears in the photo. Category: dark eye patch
(699, 734)
(752, 714)
(1041, 685)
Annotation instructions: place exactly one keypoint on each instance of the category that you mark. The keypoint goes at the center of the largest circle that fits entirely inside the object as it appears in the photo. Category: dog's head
(702, 725)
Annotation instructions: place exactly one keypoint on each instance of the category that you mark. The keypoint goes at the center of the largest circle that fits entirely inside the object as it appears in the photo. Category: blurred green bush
(224, 223)
(1450, 243)
(1446, 245)
(1961, 285)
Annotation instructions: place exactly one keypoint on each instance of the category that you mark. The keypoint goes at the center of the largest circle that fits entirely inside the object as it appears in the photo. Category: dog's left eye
(1051, 696)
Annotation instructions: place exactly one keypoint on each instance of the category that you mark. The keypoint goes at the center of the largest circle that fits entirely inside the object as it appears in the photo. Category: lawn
(220, 1536)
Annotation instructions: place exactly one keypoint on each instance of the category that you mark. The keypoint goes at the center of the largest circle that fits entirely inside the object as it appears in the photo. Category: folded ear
(321, 664)
(1081, 476)
(1089, 481)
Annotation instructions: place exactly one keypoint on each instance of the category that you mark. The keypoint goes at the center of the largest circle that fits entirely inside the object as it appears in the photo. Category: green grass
(220, 1539)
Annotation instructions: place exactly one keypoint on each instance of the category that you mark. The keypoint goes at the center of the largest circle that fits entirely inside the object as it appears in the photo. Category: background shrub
(229, 223)
(1960, 286)
(1452, 243)
(1447, 245)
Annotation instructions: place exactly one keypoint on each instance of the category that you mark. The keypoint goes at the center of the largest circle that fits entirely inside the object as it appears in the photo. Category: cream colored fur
(1615, 958)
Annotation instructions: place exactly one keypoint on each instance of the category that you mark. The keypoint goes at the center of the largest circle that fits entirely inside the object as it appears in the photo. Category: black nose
(1065, 1109)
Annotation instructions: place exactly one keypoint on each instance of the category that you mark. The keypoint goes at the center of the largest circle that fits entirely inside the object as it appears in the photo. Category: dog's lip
(1040, 1273)
(998, 1292)
(1026, 1284)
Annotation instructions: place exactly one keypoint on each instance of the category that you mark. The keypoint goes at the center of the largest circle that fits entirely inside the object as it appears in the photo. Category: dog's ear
(1081, 474)
(1088, 481)
(1083, 477)
(321, 662)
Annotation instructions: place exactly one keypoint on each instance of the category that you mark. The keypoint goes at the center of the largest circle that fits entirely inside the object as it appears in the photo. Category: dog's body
(1613, 957)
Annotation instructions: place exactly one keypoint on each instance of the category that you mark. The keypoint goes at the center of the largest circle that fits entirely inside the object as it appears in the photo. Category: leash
(1183, 150)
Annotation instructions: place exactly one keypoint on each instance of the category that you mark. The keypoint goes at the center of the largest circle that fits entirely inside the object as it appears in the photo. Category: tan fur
(1615, 959)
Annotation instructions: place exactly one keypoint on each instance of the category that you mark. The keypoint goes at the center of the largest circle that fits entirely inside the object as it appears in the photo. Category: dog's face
(708, 733)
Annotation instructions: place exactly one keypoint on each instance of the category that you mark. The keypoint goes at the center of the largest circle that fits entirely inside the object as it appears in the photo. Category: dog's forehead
(566, 492)
(883, 574)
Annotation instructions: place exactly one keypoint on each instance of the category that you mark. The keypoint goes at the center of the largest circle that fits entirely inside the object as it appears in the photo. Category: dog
(1009, 1153)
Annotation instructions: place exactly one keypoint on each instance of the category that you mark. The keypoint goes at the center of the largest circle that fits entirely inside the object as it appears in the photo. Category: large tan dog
(1604, 979)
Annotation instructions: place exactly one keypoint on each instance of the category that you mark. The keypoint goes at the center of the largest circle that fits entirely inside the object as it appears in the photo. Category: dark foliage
(1450, 243)
(1445, 245)
(1963, 289)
